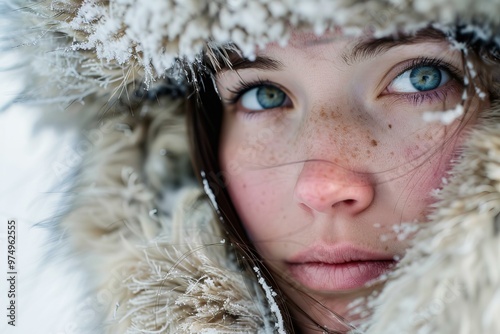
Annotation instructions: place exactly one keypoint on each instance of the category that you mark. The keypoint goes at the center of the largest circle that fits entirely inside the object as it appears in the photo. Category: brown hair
(204, 119)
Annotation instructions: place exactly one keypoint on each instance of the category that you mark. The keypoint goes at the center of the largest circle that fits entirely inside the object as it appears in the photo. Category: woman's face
(328, 158)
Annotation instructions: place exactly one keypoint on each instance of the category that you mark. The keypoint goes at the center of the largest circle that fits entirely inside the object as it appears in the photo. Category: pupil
(270, 97)
(425, 78)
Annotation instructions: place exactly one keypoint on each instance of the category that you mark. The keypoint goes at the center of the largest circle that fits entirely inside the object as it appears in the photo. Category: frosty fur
(158, 261)
(449, 281)
(138, 221)
(122, 41)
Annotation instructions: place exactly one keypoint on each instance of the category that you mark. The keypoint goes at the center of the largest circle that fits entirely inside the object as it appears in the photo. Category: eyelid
(451, 87)
(455, 73)
(442, 64)
(244, 86)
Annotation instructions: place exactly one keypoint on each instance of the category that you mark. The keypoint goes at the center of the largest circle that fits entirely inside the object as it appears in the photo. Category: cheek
(259, 198)
(259, 185)
(250, 192)
(427, 178)
(430, 159)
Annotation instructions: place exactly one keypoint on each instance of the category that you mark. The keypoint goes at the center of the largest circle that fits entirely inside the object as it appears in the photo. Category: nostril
(349, 202)
(305, 207)
(345, 203)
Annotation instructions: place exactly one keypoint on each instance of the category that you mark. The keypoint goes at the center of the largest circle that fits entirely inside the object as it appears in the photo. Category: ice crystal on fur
(270, 294)
(209, 191)
(404, 230)
(445, 117)
(155, 33)
(84, 60)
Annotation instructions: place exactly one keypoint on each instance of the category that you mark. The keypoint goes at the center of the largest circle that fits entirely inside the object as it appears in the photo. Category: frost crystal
(445, 117)
(480, 93)
(436, 192)
(209, 191)
(270, 294)
(404, 230)
(472, 71)
(153, 212)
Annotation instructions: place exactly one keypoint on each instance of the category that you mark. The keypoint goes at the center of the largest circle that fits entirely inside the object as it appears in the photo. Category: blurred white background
(47, 287)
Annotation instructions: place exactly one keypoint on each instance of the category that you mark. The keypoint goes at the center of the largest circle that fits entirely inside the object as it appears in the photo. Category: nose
(328, 188)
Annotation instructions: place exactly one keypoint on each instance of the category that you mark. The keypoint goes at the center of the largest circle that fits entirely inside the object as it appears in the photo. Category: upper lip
(337, 254)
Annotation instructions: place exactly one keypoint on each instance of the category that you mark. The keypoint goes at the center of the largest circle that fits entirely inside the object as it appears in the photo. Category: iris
(262, 97)
(425, 78)
(270, 97)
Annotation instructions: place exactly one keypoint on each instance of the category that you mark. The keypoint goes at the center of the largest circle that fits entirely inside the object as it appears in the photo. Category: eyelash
(245, 86)
(420, 97)
(414, 98)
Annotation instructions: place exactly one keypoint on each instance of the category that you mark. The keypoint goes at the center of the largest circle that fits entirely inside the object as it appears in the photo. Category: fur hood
(139, 222)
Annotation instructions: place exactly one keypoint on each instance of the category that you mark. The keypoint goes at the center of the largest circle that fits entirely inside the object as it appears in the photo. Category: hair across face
(328, 160)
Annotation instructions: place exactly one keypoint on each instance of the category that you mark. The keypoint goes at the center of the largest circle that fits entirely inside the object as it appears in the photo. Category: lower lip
(338, 277)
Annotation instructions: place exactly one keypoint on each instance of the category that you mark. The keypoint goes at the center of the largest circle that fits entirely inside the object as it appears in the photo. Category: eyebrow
(370, 48)
(260, 63)
(361, 51)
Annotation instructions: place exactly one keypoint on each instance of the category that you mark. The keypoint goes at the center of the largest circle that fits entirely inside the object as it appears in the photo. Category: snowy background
(47, 288)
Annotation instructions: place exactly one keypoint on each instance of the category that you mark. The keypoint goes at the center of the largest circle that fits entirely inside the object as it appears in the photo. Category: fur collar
(158, 261)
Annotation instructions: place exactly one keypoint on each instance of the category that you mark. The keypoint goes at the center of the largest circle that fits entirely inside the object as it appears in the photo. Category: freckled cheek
(432, 179)
(259, 203)
(431, 168)
(251, 194)
(443, 144)
(250, 200)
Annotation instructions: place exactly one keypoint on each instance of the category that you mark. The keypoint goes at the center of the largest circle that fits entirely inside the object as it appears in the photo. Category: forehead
(308, 42)
(300, 39)
(351, 49)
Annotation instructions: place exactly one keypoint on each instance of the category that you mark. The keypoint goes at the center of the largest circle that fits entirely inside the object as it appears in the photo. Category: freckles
(323, 114)
(271, 159)
(253, 201)
(327, 114)
(412, 152)
(430, 179)
(429, 176)
(331, 138)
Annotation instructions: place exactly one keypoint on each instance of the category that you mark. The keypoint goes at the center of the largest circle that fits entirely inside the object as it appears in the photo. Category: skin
(346, 160)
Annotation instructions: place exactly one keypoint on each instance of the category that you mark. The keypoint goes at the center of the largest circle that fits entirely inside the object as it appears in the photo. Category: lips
(338, 268)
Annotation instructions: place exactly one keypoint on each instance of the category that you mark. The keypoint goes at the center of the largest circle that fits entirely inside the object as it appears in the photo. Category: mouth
(338, 268)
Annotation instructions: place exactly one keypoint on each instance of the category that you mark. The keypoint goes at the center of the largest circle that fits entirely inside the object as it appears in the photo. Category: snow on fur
(89, 60)
(161, 265)
(109, 40)
(157, 32)
(185, 283)
(449, 281)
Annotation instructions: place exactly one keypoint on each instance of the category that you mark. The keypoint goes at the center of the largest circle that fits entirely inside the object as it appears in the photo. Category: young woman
(348, 154)
(327, 160)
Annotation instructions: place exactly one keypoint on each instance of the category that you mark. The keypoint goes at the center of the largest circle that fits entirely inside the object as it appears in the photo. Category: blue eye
(263, 97)
(419, 79)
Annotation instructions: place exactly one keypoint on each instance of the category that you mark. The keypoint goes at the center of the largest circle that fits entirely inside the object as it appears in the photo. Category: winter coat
(143, 227)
